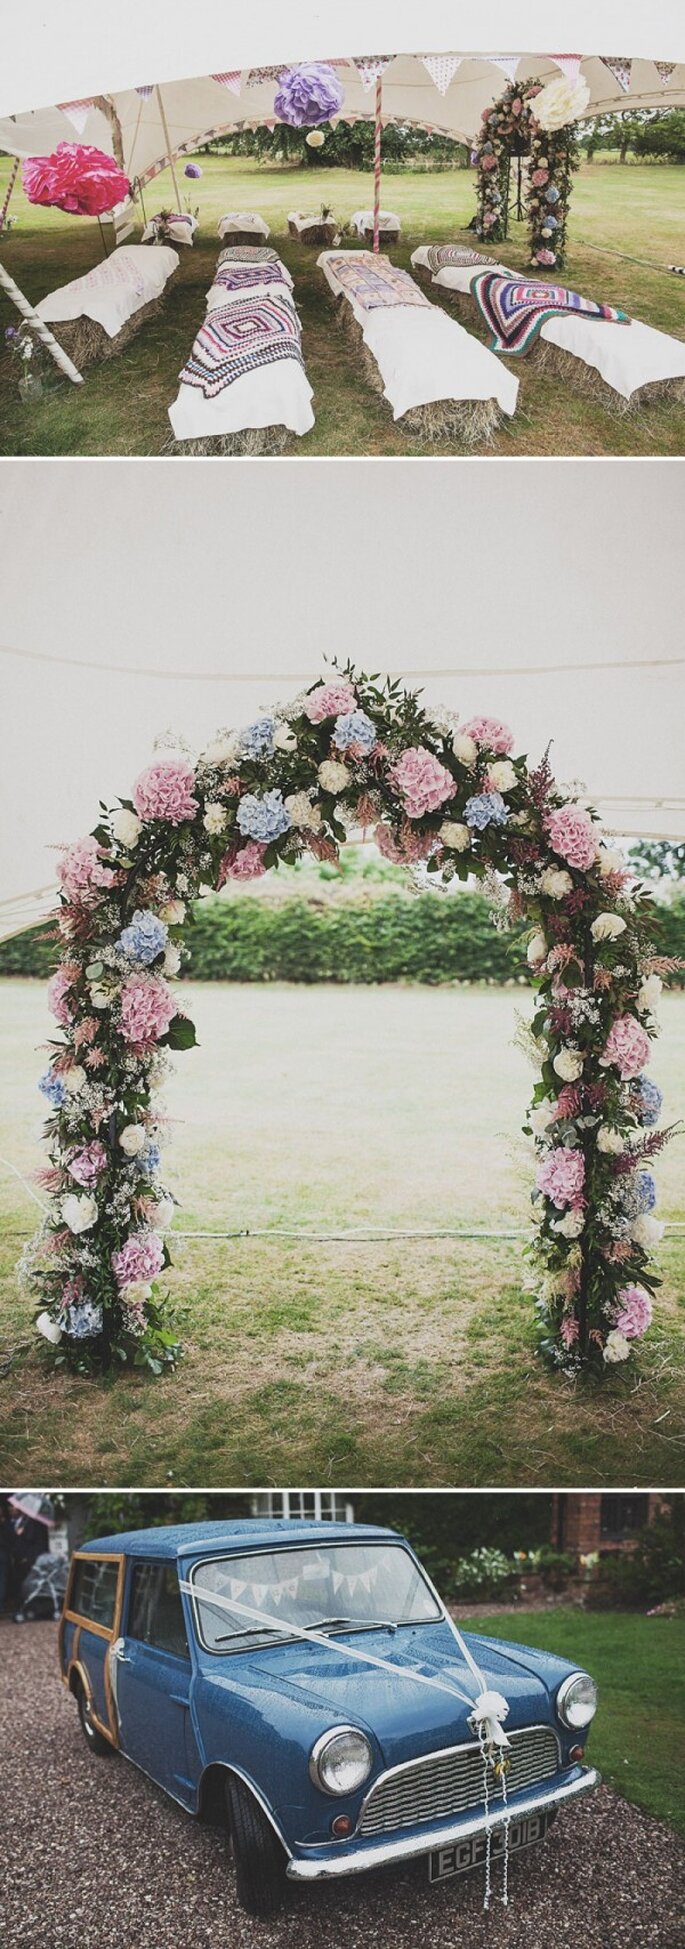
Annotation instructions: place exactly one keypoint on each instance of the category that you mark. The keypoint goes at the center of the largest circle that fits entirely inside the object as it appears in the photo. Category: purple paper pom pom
(192, 169)
(308, 95)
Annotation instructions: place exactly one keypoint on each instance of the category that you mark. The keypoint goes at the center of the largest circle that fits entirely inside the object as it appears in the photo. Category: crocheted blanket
(239, 338)
(515, 311)
(247, 254)
(374, 283)
(438, 255)
(240, 277)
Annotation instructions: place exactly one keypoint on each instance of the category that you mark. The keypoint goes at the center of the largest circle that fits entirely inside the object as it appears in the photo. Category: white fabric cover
(243, 220)
(131, 277)
(302, 224)
(363, 221)
(178, 233)
(422, 355)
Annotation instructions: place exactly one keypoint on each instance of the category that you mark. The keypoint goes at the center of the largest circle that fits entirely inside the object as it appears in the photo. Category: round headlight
(341, 1760)
(577, 1701)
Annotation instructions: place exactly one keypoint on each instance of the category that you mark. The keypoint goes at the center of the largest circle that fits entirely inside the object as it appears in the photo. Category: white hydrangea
(502, 776)
(172, 958)
(610, 1141)
(616, 1347)
(133, 1139)
(79, 1214)
(456, 836)
(610, 860)
(555, 882)
(568, 1065)
(302, 812)
(223, 750)
(161, 1217)
(214, 819)
(571, 1225)
(174, 913)
(541, 1117)
(647, 1231)
(333, 777)
(465, 749)
(127, 827)
(74, 1079)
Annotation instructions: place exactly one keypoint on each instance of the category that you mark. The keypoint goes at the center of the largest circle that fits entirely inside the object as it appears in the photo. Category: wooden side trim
(108, 1632)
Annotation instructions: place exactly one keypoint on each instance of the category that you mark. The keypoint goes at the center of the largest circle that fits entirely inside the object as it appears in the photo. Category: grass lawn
(390, 1362)
(122, 409)
(639, 1665)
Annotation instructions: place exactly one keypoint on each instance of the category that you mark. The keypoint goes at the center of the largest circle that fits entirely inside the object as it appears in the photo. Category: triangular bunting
(507, 62)
(146, 91)
(370, 66)
(441, 68)
(664, 70)
(231, 79)
(77, 113)
(257, 76)
(569, 64)
(621, 69)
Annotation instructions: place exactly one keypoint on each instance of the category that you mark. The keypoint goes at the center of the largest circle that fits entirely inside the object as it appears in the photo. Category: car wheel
(94, 1739)
(258, 1854)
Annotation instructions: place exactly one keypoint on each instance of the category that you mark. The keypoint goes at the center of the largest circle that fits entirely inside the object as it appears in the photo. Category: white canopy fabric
(542, 593)
(76, 56)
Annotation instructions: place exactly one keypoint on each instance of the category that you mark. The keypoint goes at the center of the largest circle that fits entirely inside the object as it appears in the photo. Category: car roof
(194, 1539)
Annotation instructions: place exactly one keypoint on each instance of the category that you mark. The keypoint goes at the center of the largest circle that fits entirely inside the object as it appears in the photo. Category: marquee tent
(547, 596)
(118, 79)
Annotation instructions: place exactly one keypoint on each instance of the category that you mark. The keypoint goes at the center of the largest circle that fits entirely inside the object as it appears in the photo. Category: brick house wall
(584, 1523)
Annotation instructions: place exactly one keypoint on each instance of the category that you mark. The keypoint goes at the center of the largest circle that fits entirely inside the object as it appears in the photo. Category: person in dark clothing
(7, 1557)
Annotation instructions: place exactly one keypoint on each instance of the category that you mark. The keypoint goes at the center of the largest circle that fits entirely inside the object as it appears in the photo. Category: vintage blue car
(302, 1683)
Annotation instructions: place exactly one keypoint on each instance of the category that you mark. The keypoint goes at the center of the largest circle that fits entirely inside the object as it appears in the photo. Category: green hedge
(387, 938)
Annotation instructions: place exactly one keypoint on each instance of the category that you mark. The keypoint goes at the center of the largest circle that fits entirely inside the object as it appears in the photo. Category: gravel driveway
(95, 1857)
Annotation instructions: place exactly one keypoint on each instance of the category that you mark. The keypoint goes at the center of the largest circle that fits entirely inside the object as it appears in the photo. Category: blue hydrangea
(263, 818)
(552, 194)
(53, 1088)
(257, 740)
(150, 1159)
(486, 809)
(144, 938)
(354, 727)
(648, 1099)
(84, 1322)
(639, 1194)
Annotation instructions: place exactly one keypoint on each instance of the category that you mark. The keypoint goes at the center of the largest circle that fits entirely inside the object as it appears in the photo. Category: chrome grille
(451, 1782)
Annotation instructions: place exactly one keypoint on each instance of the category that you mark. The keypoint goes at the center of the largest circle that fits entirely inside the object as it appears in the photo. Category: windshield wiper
(255, 1631)
(354, 1624)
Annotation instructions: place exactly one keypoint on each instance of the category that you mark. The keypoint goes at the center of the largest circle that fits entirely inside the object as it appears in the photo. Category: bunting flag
(146, 91)
(569, 64)
(442, 68)
(665, 69)
(77, 113)
(231, 79)
(370, 66)
(620, 68)
(257, 76)
(507, 62)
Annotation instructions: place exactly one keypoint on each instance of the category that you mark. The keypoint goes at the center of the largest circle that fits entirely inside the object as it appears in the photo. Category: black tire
(258, 1854)
(94, 1739)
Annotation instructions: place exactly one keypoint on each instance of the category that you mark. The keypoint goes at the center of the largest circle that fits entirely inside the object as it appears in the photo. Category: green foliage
(111, 1514)
(648, 1575)
(658, 859)
(345, 147)
(446, 1530)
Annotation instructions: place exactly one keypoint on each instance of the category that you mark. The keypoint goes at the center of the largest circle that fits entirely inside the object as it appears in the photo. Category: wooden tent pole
(167, 139)
(39, 326)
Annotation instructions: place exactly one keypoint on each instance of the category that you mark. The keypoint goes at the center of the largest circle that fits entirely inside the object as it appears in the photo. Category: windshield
(346, 1586)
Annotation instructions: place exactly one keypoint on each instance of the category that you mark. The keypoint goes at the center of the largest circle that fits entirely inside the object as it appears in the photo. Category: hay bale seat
(389, 234)
(252, 443)
(87, 343)
(471, 422)
(321, 231)
(238, 236)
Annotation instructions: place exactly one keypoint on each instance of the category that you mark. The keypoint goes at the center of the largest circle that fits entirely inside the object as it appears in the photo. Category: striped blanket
(375, 283)
(515, 311)
(238, 338)
(240, 277)
(248, 254)
(439, 255)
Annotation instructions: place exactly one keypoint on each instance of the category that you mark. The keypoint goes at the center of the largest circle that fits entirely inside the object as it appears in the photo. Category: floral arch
(513, 128)
(349, 751)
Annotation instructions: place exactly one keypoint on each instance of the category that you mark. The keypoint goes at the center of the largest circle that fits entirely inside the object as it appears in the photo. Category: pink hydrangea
(247, 864)
(545, 257)
(626, 1048)
(59, 988)
(424, 784)
(561, 1176)
(80, 871)
(87, 1165)
(488, 162)
(330, 700)
(572, 835)
(166, 790)
(540, 177)
(147, 1008)
(139, 1260)
(635, 1312)
(489, 732)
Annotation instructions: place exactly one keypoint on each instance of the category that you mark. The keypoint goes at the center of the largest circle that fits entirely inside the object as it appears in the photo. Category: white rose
(616, 1347)
(568, 1065)
(161, 1216)
(80, 1214)
(555, 882)
(49, 1328)
(127, 827)
(172, 958)
(223, 751)
(100, 997)
(647, 1230)
(610, 861)
(536, 950)
(610, 1140)
(501, 776)
(465, 749)
(571, 1225)
(456, 836)
(74, 1079)
(333, 776)
(560, 102)
(649, 992)
(133, 1139)
(215, 818)
(541, 1117)
(302, 812)
(607, 927)
(136, 1293)
(174, 913)
(284, 738)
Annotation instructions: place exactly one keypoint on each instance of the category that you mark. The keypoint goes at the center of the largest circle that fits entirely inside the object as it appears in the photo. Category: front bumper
(351, 1860)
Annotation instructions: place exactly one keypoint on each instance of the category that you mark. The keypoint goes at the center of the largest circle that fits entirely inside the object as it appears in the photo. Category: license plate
(460, 1856)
